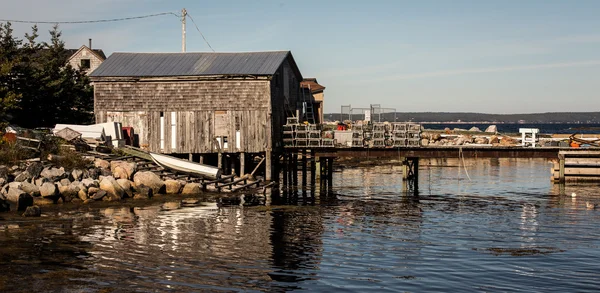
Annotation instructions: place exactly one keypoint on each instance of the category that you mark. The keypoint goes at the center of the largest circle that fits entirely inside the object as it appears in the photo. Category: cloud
(491, 70)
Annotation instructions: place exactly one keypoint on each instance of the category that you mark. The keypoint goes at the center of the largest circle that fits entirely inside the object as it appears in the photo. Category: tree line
(37, 86)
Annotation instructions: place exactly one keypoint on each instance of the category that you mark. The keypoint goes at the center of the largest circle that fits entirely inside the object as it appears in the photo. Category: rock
(143, 192)
(65, 182)
(508, 141)
(87, 201)
(32, 211)
(151, 180)
(122, 169)
(494, 139)
(4, 173)
(35, 169)
(99, 195)
(435, 136)
(172, 186)
(190, 202)
(93, 173)
(192, 188)
(40, 181)
(41, 201)
(87, 182)
(492, 129)
(77, 200)
(82, 194)
(93, 190)
(463, 139)
(475, 129)
(424, 142)
(105, 173)
(77, 174)
(2, 181)
(126, 185)
(481, 140)
(22, 177)
(171, 205)
(68, 193)
(30, 189)
(54, 174)
(114, 190)
(103, 164)
(19, 200)
(48, 190)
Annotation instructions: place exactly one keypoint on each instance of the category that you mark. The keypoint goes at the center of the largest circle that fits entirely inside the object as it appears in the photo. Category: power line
(91, 21)
(200, 32)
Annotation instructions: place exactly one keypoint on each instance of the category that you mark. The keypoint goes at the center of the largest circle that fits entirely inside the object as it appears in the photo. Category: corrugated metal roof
(190, 64)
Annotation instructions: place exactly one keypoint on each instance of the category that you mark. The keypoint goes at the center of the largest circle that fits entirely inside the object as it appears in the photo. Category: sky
(500, 57)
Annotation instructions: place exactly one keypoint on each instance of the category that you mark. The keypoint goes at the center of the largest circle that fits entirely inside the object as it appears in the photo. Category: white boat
(184, 166)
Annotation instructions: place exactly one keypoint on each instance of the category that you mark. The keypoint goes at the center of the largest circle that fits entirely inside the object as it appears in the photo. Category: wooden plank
(582, 171)
(582, 161)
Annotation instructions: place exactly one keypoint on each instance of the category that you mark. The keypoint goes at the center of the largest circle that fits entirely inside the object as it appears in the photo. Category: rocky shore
(28, 186)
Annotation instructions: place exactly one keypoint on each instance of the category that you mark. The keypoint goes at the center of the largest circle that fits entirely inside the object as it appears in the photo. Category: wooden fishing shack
(209, 107)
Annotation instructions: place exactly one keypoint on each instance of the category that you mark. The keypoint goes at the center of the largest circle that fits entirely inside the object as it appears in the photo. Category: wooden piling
(268, 166)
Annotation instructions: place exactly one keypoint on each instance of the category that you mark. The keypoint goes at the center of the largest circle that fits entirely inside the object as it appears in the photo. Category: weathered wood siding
(285, 87)
(245, 103)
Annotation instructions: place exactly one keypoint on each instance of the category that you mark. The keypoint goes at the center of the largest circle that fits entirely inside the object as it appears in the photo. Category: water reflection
(504, 227)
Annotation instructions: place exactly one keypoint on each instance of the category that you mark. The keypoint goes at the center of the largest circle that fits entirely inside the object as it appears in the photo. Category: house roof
(312, 84)
(193, 64)
(98, 52)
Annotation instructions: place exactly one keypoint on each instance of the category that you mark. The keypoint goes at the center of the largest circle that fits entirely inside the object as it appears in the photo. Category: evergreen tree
(9, 73)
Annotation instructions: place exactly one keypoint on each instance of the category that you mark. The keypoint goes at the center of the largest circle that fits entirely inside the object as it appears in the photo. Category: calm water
(484, 226)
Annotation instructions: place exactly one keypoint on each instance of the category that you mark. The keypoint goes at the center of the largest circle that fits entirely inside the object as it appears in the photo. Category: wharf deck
(440, 152)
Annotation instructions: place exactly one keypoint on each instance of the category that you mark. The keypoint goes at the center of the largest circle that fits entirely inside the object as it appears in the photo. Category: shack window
(85, 64)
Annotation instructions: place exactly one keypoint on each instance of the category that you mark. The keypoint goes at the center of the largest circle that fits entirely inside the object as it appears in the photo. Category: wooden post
(232, 163)
(268, 166)
(404, 169)
(561, 168)
(201, 159)
(330, 170)
(191, 157)
(313, 168)
(317, 163)
(220, 160)
(286, 169)
(295, 169)
(242, 164)
(304, 168)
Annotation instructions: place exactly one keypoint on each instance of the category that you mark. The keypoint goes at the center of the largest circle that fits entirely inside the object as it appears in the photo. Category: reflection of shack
(201, 105)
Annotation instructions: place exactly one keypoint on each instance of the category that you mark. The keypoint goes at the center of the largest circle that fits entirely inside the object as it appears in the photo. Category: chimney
(90, 46)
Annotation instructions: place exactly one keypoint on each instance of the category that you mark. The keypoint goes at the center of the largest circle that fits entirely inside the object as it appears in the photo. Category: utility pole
(183, 17)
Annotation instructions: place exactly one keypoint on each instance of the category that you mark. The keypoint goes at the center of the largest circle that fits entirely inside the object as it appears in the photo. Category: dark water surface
(492, 225)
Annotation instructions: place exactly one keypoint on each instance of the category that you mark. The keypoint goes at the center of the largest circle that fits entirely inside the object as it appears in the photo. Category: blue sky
(439, 56)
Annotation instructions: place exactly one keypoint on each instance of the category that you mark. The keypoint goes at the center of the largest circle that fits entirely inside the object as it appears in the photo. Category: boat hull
(186, 166)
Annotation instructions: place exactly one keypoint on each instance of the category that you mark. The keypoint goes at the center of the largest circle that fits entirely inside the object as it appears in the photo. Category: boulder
(464, 139)
(424, 142)
(171, 205)
(190, 202)
(192, 188)
(41, 201)
(94, 173)
(123, 169)
(103, 164)
(126, 185)
(87, 182)
(19, 200)
(4, 172)
(172, 186)
(65, 182)
(112, 188)
(492, 129)
(481, 140)
(48, 190)
(68, 193)
(508, 141)
(30, 189)
(40, 181)
(77, 174)
(82, 194)
(143, 192)
(35, 169)
(32, 211)
(494, 139)
(22, 176)
(2, 181)
(92, 191)
(151, 180)
(54, 174)
(475, 129)
(99, 195)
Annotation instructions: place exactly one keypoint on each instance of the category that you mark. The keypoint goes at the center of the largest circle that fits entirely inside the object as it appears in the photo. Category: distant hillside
(557, 117)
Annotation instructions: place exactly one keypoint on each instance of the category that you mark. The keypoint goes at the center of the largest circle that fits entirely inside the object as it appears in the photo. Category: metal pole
(183, 17)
